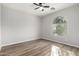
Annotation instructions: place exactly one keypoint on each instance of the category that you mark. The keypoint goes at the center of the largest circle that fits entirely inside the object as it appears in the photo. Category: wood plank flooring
(39, 47)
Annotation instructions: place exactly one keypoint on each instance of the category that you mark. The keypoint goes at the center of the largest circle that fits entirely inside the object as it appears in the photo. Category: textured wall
(18, 26)
(71, 15)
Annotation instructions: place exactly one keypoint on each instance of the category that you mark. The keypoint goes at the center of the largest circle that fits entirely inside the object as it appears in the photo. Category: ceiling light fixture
(42, 6)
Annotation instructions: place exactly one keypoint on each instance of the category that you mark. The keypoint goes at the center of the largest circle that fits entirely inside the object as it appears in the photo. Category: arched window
(60, 25)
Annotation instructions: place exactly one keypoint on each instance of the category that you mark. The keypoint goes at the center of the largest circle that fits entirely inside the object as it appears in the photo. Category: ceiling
(29, 7)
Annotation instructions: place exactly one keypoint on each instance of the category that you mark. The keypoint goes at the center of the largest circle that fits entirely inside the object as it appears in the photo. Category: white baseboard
(62, 42)
(39, 38)
(19, 42)
(0, 45)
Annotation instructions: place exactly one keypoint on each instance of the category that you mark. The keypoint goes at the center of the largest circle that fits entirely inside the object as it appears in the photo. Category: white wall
(71, 15)
(18, 26)
(0, 26)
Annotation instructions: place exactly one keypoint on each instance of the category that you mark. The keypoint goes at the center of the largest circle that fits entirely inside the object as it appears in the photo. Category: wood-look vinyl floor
(39, 47)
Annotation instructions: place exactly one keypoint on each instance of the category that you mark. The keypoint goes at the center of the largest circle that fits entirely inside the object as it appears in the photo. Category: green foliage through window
(60, 26)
